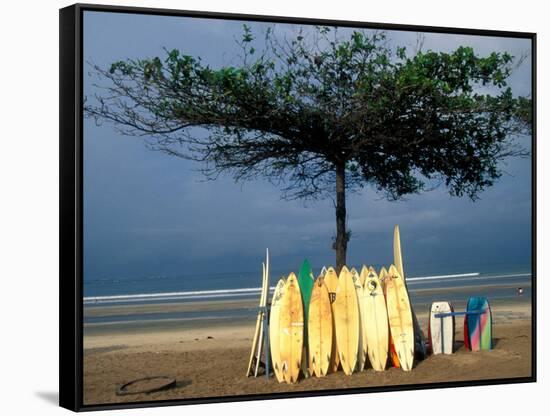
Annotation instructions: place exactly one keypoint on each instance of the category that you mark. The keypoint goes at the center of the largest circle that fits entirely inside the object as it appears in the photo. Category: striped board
(291, 324)
(377, 327)
(479, 325)
(274, 329)
(346, 318)
(419, 339)
(319, 329)
(331, 280)
(466, 334)
(361, 294)
(441, 329)
(400, 318)
(257, 340)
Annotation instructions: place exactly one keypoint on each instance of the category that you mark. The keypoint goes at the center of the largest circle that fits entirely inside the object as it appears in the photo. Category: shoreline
(209, 357)
(163, 331)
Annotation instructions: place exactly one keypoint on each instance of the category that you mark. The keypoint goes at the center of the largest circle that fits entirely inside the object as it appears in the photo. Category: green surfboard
(306, 281)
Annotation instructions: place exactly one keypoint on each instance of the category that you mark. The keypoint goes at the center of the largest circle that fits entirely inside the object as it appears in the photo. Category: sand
(209, 358)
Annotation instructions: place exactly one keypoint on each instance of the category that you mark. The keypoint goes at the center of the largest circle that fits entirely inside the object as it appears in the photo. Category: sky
(149, 214)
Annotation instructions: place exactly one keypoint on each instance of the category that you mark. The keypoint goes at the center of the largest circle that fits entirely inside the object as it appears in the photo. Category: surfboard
(323, 271)
(466, 334)
(400, 318)
(255, 353)
(479, 325)
(382, 277)
(377, 326)
(262, 332)
(419, 338)
(305, 280)
(360, 292)
(346, 318)
(320, 329)
(394, 360)
(274, 330)
(441, 330)
(331, 280)
(291, 324)
(363, 274)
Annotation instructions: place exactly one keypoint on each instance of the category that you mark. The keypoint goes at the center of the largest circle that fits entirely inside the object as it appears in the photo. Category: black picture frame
(71, 213)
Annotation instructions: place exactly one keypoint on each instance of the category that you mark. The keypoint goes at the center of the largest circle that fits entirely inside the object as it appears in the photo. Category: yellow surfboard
(291, 324)
(377, 330)
(362, 354)
(419, 339)
(331, 281)
(274, 330)
(400, 318)
(363, 274)
(397, 258)
(382, 277)
(346, 317)
(319, 329)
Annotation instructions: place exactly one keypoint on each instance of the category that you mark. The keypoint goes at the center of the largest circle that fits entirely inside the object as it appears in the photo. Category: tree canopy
(319, 114)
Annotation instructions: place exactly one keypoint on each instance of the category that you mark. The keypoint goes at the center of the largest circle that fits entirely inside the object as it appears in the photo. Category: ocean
(452, 287)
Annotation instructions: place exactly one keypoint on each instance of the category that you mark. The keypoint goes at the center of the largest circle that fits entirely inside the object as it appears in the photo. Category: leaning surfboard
(479, 323)
(376, 325)
(319, 329)
(346, 317)
(257, 340)
(382, 276)
(442, 328)
(419, 339)
(291, 324)
(361, 301)
(274, 330)
(400, 319)
(305, 280)
(331, 280)
(391, 352)
(363, 274)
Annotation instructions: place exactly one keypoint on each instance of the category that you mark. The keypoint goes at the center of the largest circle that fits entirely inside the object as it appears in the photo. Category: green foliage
(296, 109)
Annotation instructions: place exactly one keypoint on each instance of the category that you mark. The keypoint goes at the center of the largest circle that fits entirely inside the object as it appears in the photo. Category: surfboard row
(347, 320)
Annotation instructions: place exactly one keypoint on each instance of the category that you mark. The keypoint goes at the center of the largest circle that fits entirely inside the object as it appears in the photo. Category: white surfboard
(361, 294)
(441, 328)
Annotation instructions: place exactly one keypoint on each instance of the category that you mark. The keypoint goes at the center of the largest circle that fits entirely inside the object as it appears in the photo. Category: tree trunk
(341, 243)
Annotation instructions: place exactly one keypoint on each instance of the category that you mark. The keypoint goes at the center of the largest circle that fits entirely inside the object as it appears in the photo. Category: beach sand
(209, 358)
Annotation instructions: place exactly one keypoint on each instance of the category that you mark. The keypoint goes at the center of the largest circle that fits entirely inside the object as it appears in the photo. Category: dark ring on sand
(170, 382)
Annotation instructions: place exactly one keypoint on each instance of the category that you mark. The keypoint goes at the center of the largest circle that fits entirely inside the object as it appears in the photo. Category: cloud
(147, 214)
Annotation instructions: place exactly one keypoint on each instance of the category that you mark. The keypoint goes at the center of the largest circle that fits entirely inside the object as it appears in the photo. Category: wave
(244, 292)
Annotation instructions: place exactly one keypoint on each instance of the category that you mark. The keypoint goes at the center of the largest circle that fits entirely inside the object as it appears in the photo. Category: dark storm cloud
(150, 214)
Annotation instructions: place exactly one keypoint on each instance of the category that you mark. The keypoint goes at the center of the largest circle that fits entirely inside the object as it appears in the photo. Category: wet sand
(209, 357)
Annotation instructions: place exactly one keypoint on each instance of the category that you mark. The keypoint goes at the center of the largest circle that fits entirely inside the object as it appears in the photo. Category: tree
(321, 115)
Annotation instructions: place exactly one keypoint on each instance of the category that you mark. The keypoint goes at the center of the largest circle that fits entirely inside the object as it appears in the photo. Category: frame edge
(70, 372)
